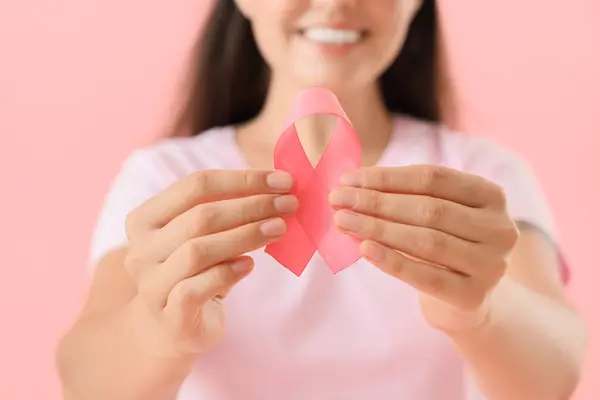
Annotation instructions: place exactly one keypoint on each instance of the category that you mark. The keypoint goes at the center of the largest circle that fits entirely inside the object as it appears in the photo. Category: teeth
(332, 36)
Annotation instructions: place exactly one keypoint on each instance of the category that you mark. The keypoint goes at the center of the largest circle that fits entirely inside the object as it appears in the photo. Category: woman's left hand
(444, 232)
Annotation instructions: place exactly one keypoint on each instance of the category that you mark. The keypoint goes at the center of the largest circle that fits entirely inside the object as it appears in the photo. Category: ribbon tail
(294, 250)
(339, 250)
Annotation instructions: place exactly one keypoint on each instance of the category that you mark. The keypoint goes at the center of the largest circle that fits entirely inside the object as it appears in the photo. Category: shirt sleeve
(137, 180)
(526, 201)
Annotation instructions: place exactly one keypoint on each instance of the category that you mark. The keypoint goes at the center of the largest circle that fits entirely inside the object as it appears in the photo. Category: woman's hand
(186, 249)
(444, 232)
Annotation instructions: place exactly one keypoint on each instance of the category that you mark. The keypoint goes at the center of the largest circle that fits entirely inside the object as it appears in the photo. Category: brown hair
(228, 80)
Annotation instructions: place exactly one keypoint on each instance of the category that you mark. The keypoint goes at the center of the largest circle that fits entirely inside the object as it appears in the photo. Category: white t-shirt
(355, 335)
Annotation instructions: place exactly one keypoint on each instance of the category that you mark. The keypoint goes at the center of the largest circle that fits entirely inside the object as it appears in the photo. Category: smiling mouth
(333, 36)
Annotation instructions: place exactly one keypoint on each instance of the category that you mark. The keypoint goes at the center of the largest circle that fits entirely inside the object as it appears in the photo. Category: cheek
(273, 26)
(393, 22)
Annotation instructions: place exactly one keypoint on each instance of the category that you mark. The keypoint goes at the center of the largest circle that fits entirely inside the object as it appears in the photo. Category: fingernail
(348, 220)
(241, 266)
(344, 198)
(273, 228)
(279, 180)
(286, 204)
(373, 251)
(352, 178)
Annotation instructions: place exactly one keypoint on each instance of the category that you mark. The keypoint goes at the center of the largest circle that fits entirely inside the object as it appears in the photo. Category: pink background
(84, 82)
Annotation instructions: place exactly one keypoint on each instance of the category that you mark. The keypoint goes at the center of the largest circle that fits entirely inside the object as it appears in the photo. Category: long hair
(228, 80)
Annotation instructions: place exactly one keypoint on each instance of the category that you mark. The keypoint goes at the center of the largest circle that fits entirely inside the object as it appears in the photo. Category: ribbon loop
(312, 228)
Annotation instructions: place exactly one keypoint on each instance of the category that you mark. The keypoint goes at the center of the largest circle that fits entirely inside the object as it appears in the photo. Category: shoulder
(174, 158)
(432, 143)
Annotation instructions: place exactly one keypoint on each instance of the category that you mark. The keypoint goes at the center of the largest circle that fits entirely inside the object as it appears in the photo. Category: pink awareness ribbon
(312, 227)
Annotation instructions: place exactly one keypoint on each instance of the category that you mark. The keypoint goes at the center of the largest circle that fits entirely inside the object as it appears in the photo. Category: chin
(335, 79)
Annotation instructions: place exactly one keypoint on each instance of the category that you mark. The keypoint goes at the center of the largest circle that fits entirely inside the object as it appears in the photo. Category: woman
(459, 276)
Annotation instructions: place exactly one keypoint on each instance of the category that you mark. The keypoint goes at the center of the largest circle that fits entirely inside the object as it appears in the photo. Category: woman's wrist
(117, 355)
(500, 311)
(148, 369)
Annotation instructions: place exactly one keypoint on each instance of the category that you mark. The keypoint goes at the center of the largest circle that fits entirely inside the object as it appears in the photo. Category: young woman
(458, 294)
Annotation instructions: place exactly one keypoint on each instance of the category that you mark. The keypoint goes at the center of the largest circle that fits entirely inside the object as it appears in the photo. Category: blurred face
(334, 43)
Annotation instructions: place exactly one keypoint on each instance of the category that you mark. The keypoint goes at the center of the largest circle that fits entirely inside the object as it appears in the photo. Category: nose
(335, 8)
(336, 3)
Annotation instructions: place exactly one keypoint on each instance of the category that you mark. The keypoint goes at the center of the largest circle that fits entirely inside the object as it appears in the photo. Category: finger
(219, 216)
(430, 180)
(197, 255)
(437, 282)
(423, 243)
(476, 225)
(187, 301)
(203, 187)
(191, 293)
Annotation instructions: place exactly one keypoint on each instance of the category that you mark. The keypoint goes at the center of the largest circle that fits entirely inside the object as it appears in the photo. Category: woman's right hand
(186, 251)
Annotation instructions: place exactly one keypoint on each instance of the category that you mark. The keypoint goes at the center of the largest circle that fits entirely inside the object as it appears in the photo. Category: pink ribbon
(312, 227)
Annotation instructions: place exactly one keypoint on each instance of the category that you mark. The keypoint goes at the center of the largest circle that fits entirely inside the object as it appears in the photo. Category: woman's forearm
(106, 357)
(530, 347)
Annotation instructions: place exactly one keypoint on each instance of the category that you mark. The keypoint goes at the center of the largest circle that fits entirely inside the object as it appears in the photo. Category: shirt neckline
(389, 154)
